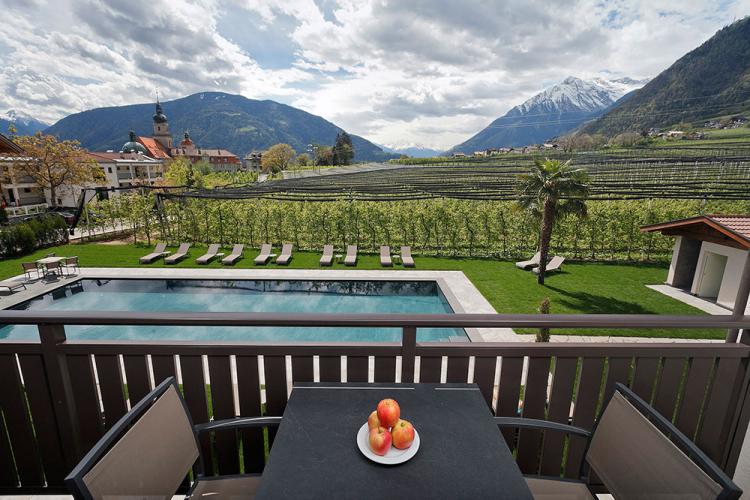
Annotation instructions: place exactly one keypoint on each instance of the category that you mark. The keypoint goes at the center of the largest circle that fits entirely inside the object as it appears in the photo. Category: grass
(582, 287)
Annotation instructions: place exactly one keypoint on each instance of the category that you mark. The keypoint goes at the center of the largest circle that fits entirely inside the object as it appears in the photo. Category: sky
(400, 73)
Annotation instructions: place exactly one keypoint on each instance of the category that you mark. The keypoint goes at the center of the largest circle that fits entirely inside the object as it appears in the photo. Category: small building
(709, 254)
(18, 190)
(675, 134)
(254, 161)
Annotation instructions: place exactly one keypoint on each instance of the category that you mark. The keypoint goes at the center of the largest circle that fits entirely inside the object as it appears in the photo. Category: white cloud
(431, 72)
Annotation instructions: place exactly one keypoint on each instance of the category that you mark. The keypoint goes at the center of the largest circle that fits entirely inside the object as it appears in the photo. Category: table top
(462, 453)
(50, 260)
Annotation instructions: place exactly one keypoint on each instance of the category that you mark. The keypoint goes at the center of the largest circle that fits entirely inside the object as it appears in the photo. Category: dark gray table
(462, 452)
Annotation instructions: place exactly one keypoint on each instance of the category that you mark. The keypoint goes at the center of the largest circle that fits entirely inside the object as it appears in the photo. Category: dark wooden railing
(59, 396)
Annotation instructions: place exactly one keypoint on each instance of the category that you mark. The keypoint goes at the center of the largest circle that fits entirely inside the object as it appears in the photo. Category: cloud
(431, 72)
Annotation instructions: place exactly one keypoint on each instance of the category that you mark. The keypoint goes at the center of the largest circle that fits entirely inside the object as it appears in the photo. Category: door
(713, 273)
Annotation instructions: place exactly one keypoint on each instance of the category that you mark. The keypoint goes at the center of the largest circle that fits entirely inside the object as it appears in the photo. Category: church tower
(161, 127)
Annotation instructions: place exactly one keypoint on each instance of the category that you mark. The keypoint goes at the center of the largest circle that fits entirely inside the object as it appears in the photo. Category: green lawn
(580, 288)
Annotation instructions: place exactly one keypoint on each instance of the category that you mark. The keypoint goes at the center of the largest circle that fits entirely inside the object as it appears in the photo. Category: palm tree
(549, 190)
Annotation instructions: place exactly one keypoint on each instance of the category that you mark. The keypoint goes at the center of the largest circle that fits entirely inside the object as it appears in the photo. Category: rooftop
(730, 230)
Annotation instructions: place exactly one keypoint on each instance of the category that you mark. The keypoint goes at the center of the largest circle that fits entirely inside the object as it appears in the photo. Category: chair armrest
(532, 423)
(238, 423)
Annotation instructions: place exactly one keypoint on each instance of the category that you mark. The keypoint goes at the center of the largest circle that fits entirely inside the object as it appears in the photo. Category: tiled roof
(740, 224)
(155, 149)
(202, 152)
(8, 146)
(112, 156)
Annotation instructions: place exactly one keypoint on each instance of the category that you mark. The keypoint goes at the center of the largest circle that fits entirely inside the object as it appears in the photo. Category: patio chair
(327, 258)
(264, 255)
(286, 254)
(53, 269)
(159, 252)
(70, 265)
(28, 268)
(636, 452)
(351, 255)
(385, 256)
(179, 255)
(554, 264)
(406, 258)
(12, 285)
(532, 262)
(233, 257)
(150, 450)
(211, 253)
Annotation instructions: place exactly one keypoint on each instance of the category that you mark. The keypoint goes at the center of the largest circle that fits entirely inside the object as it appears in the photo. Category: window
(26, 190)
(109, 169)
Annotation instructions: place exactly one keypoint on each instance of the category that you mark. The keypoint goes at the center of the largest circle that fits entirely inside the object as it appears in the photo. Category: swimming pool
(277, 296)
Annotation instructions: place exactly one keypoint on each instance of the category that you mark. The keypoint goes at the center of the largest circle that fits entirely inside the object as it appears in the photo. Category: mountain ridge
(24, 124)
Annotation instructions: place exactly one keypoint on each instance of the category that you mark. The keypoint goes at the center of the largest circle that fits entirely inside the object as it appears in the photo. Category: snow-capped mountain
(552, 112)
(24, 124)
(413, 150)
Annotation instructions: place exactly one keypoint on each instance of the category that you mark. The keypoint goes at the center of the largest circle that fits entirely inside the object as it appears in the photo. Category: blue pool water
(276, 296)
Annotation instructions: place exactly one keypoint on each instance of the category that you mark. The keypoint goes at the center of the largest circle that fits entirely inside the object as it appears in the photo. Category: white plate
(394, 455)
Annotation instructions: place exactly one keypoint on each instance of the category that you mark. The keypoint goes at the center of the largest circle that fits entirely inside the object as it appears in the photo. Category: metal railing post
(408, 353)
(61, 393)
(740, 302)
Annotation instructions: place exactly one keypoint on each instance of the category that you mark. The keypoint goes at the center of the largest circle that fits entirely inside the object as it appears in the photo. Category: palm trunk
(548, 220)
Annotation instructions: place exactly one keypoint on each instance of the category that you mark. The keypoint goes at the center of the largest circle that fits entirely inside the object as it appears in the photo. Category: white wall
(732, 272)
(675, 256)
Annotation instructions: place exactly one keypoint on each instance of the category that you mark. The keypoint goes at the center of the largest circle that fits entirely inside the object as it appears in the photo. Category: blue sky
(401, 73)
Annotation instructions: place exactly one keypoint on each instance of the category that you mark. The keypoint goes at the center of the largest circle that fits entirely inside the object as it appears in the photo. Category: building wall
(732, 272)
(685, 257)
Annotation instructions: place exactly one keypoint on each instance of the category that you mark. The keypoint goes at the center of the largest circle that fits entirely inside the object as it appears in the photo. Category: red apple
(388, 412)
(402, 434)
(380, 441)
(372, 421)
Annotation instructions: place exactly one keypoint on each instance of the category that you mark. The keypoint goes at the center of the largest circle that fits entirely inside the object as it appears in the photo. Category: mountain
(415, 151)
(25, 125)
(214, 120)
(554, 111)
(712, 80)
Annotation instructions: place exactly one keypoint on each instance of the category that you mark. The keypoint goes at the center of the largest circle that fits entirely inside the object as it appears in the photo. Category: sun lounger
(179, 255)
(327, 258)
(406, 258)
(211, 253)
(233, 257)
(385, 256)
(554, 264)
(159, 252)
(286, 254)
(351, 256)
(532, 262)
(12, 285)
(264, 255)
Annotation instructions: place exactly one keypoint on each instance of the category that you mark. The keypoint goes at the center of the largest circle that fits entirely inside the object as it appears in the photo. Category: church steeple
(161, 126)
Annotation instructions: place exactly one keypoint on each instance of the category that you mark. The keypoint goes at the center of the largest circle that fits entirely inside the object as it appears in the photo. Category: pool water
(277, 296)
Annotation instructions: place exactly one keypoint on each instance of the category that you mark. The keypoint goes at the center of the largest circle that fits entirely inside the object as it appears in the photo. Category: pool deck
(460, 292)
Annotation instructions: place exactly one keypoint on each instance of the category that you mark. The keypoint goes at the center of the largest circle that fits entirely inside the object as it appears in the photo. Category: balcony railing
(59, 396)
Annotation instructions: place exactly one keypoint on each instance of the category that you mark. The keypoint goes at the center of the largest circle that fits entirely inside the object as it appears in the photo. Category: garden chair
(53, 269)
(264, 255)
(211, 253)
(152, 448)
(28, 268)
(179, 255)
(532, 262)
(636, 453)
(406, 258)
(327, 258)
(286, 254)
(233, 257)
(12, 285)
(351, 256)
(385, 256)
(554, 264)
(70, 265)
(159, 252)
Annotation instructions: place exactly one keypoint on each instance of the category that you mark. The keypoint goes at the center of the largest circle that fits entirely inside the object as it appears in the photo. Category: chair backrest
(286, 249)
(184, 247)
(146, 454)
(636, 459)
(237, 249)
(71, 260)
(555, 262)
(52, 265)
(328, 250)
(351, 250)
(537, 257)
(51, 254)
(385, 251)
(29, 266)
(160, 248)
(265, 248)
(213, 248)
(405, 252)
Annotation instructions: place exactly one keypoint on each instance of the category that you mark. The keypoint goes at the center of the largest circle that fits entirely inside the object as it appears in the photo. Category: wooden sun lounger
(406, 258)
(159, 252)
(327, 258)
(532, 262)
(264, 255)
(286, 254)
(233, 257)
(179, 255)
(12, 285)
(211, 253)
(385, 256)
(351, 256)
(554, 264)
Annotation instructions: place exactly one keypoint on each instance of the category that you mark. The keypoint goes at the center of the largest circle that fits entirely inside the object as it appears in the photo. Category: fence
(59, 396)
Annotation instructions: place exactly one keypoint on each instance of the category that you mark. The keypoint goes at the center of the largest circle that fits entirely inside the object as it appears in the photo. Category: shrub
(25, 237)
